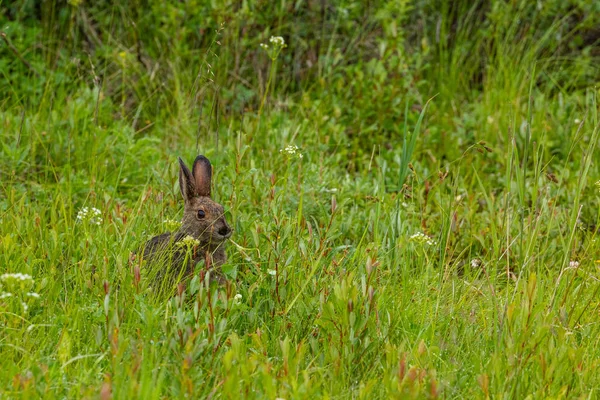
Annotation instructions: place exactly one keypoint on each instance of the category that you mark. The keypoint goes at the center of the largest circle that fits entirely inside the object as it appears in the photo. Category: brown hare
(203, 229)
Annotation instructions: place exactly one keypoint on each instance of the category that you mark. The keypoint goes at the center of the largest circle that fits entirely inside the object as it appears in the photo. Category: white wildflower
(90, 215)
(577, 121)
(273, 50)
(188, 242)
(475, 263)
(16, 283)
(277, 41)
(82, 214)
(573, 264)
(422, 239)
(16, 277)
(291, 151)
(272, 272)
(237, 299)
(19, 286)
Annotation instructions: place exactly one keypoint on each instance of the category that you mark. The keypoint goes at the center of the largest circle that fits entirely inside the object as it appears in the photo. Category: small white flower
(272, 272)
(422, 239)
(5, 295)
(33, 294)
(291, 150)
(577, 121)
(25, 306)
(237, 299)
(188, 242)
(475, 263)
(573, 264)
(277, 41)
(16, 277)
(92, 216)
(277, 44)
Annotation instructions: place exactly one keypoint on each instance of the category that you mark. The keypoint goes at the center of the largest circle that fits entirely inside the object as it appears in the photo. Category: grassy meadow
(414, 189)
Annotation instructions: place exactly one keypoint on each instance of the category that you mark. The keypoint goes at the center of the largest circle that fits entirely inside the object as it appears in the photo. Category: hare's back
(158, 244)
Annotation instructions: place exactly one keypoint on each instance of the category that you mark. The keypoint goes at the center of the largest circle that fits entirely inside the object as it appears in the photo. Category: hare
(203, 220)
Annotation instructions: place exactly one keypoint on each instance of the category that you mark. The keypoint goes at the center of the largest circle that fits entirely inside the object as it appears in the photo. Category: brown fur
(212, 231)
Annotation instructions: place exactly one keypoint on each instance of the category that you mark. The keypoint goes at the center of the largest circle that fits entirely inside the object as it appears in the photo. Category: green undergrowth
(413, 189)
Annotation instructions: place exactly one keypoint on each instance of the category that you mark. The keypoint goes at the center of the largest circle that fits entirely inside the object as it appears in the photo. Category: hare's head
(203, 218)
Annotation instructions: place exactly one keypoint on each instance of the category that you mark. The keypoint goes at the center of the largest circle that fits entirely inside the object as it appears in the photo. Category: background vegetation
(437, 238)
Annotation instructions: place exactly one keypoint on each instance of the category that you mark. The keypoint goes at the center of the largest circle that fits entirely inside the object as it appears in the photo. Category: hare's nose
(224, 230)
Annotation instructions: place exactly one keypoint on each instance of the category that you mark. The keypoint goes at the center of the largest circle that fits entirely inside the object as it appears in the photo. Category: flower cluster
(422, 239)
(16, 282)
(90, 215)
(188, 242)
(237, 299)
(291, 151)
(172, 225)
(18, 286)
(16, 277)
(277, 43)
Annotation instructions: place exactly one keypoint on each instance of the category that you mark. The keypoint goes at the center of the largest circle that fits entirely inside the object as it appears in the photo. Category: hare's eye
(201, 214)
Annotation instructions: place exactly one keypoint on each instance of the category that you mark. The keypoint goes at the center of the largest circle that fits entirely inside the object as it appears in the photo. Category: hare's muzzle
(224, 230)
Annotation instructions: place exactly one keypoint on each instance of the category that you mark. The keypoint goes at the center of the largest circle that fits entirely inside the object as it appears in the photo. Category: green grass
(437, 238)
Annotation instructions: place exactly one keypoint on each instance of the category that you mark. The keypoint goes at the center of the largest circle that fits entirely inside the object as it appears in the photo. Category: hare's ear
(202, 172)
(186, 181)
